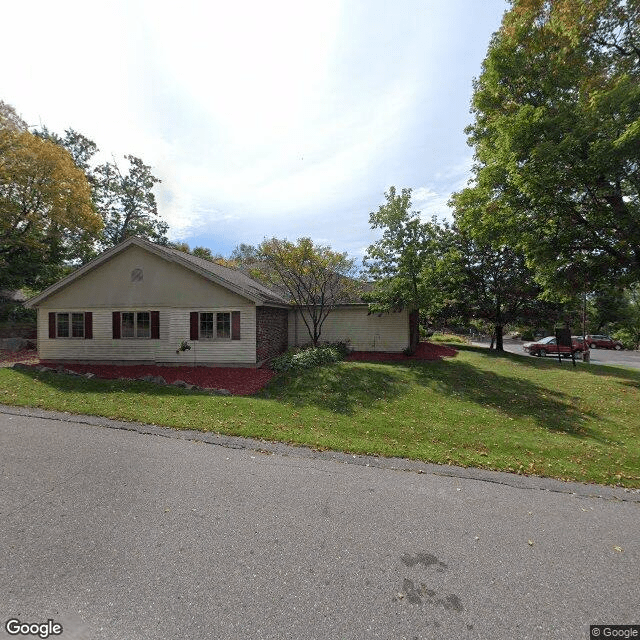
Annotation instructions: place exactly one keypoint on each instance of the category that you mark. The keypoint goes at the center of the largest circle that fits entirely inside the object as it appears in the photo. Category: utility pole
(586, 355)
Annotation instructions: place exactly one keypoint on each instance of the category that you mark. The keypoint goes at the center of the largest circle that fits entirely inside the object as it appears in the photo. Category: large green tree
(394, 262)
(127, 203)
(124, 198)
(557, 139)
(477, 279)
(46, 212)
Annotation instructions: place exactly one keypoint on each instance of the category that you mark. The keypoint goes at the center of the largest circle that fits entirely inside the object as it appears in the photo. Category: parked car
(549, 345)
(579, 340)
(603, 342)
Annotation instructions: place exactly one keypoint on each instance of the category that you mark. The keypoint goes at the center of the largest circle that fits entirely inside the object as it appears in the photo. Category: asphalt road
(598, 356)
(128, 532)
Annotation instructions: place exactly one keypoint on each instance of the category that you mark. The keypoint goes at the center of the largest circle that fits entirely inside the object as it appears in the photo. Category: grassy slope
(499, 412)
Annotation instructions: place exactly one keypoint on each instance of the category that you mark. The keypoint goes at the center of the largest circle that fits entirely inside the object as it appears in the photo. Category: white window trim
(69, 315)
(135, 325)
(216, 338)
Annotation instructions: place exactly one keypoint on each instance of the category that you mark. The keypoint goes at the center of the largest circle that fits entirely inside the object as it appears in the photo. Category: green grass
(478, 409)
(448, 338)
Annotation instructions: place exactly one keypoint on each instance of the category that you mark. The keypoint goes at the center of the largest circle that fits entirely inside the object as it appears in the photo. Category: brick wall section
(272, 332)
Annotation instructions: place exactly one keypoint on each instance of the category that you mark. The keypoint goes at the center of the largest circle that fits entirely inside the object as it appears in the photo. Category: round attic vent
(136, 275)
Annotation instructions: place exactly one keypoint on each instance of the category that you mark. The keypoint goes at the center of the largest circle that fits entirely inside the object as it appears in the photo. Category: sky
(284, 118)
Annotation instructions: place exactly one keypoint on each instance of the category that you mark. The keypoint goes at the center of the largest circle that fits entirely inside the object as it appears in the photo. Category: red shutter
(235, 325)
(115, 316)
(88, 325)
(52, 325)
(155, 325)
(193, 325)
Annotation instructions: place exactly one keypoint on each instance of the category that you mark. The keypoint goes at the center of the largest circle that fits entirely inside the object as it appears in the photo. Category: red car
(549, 345)
(603, 342)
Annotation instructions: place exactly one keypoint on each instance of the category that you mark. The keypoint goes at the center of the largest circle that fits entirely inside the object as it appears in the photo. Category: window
(206, 326)
(223, 325)
(62, 327)
(77, 325)
(128, 325)
(143, 325)
(136, 324)
(209, 325)
(70, 325)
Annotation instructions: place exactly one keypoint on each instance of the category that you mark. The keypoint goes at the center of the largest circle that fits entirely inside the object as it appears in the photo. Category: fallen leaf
(618, 549)
(530, 542)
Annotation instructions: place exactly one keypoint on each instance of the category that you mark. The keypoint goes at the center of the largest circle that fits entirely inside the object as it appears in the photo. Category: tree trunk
(499, 342)
(414, 330)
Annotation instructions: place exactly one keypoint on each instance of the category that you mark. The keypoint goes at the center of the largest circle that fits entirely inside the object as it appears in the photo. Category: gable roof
(233, 279)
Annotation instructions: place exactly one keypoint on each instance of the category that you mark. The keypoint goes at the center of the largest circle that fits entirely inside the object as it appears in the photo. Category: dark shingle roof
(236, 277)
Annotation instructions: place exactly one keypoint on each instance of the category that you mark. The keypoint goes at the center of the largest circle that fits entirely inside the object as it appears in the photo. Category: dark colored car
(603, 342)
(549, 345)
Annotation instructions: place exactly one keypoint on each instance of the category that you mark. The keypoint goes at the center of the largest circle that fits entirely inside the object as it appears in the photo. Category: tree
(629, 326)
(81, 148)
(557, 138)
(127, 203)
(202, 252)
(477, 280)
(244, 256)
(45, 201)
(315, 277)
(395, 261)
(607, 308)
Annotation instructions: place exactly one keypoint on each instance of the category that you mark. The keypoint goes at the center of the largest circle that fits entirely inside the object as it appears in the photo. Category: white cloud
(260, 118)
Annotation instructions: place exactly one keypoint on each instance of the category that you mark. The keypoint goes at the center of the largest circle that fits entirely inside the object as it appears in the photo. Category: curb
(530, 483)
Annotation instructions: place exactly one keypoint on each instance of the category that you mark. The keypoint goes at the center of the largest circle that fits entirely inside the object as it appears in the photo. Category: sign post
(563, 339)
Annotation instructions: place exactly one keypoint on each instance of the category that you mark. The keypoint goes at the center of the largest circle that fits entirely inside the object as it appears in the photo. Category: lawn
(477, 409)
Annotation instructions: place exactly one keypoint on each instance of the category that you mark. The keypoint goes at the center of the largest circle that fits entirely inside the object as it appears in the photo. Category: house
(139, 302)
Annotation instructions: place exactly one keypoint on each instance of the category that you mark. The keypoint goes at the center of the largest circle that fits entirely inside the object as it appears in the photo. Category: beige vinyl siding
(163, 284)
(174, 328)
(222, 351)
(386, 332)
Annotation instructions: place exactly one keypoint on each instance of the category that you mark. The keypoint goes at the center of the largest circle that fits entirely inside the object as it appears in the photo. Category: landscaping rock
(223, 392)
(158, 380)
(147, 378)
(44, 369)
(179, 383)
(14, 344)
(89, 375)
(21, 366)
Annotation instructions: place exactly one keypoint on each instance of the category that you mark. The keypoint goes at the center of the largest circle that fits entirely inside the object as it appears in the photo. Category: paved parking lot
(598, 356)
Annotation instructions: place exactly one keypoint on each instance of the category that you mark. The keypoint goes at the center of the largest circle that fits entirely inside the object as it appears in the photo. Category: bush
(448, 337)
(628, 339)
(425, 332)
(308, 357)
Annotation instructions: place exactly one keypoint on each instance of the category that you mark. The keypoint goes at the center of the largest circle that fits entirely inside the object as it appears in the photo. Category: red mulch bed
(240, 381)
(425, 351)
(28, 356)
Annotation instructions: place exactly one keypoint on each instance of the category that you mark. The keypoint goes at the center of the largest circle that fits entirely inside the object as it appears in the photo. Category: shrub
(628, 339)
(306, 357)
(448, 337)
